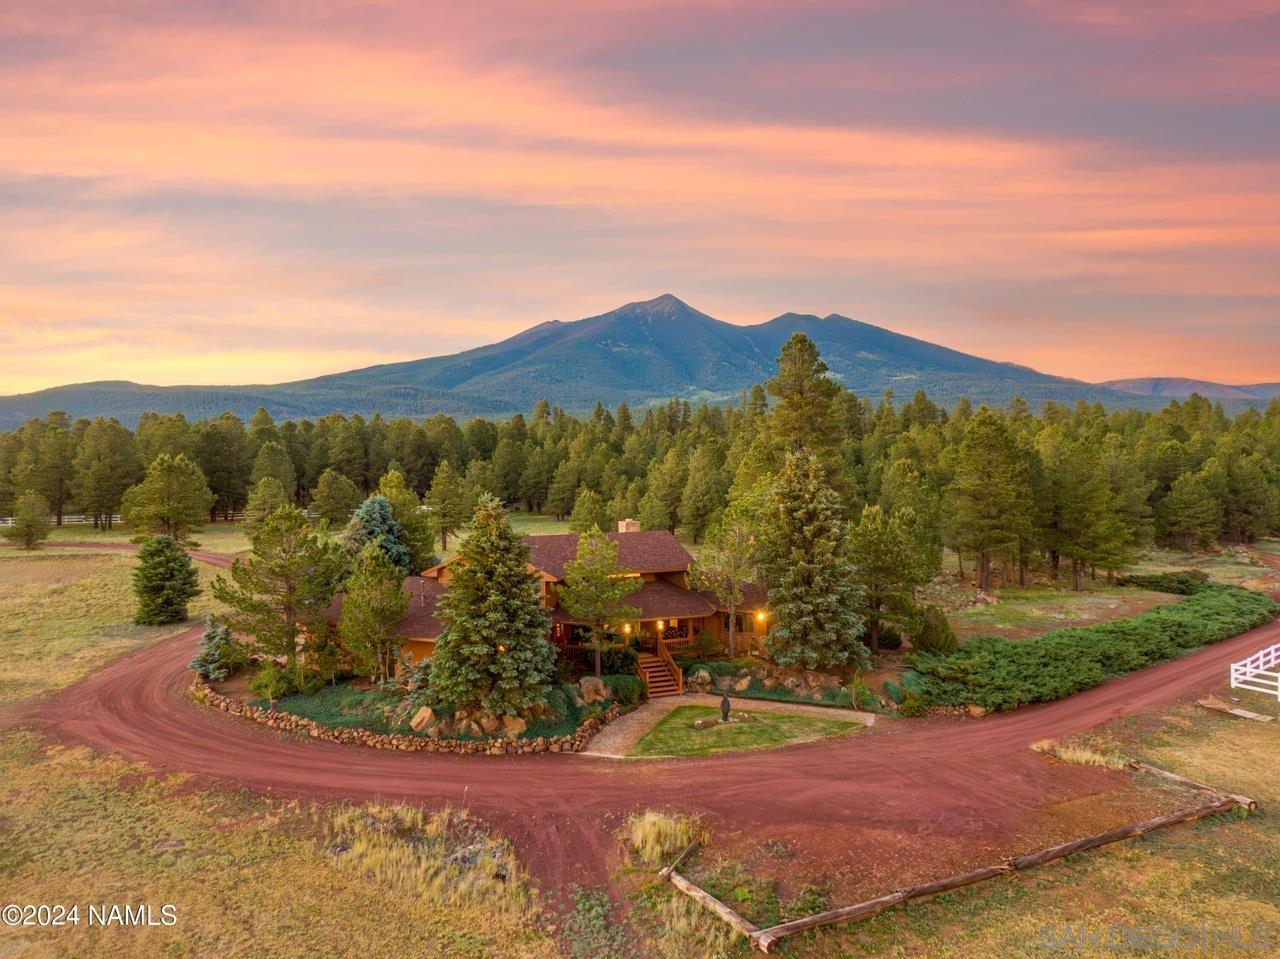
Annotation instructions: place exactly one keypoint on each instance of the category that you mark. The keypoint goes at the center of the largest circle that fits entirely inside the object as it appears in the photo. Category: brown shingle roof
(660, 599)
(651, 552)
(753, 597)
(419, 621)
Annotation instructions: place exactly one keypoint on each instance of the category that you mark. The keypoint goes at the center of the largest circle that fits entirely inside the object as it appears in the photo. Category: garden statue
(724, 706)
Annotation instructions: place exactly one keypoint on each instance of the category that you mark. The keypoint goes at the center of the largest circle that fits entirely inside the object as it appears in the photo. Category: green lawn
(64, 612)
(674, 735)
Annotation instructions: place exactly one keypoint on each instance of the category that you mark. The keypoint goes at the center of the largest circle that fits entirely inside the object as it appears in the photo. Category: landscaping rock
(977, 712)
(769, 682)
(513, 726)
(490, 723)
(423, 718)
(704, 723)
(593, 689)
(741, 685)
(699, 682)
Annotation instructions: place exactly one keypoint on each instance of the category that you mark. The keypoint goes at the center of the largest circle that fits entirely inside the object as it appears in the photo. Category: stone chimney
(628, 526)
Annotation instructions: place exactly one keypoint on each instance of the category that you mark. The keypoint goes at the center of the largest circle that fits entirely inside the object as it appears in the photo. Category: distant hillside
(640, 353)
(1180, 388)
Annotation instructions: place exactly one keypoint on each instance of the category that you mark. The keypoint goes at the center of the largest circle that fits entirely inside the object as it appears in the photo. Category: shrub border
(574, 742)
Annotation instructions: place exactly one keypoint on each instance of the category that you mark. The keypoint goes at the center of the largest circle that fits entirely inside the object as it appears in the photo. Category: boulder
(423, 718)
(769, 682)
(704, 723)
(699, 681)
(489, 723)
(513, 726)
(741, 685)
(593, 689)
(977, 712)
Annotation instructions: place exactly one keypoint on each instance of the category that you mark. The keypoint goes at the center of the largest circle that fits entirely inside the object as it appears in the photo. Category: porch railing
(677, 673)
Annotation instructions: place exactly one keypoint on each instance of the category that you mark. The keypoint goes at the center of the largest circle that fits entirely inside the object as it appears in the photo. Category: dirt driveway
(973, 782)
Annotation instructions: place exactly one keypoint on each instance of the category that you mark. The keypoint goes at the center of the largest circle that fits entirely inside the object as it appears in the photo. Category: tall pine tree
(493, 653)
(813, 588)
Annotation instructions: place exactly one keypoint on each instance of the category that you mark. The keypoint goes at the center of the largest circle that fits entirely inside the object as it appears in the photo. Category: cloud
(218, 191)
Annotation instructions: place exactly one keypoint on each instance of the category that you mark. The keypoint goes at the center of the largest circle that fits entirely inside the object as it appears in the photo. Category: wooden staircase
(658, 676)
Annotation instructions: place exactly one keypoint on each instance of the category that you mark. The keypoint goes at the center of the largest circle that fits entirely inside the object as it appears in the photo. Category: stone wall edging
(574, 742)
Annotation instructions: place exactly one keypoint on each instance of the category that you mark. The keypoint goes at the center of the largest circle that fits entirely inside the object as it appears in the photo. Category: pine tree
(278, 595)
(172, 499)
(406, 506)
(726, 564)
(224, 456)
(563, 490)
(106, 465)
(451, 500)
(273, 460)
(803, 416)
(164, 581)
(588, 512)
(373, 604)
(31, 522)
(375, 522)
(653, 514)
(335, 498)
(1191, 515)
(595, 589)
(989, 499)
(493, 653)
(887, 568)
(804, 555)
(265, 498)
(55, 465)
(702, 496)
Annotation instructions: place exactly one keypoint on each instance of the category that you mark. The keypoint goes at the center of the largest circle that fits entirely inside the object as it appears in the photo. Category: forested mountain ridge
(640, 354)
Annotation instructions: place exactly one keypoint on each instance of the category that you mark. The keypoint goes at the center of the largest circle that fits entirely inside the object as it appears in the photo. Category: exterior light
(661, 625)
(760, 616)
(626, 628)
(502, 648)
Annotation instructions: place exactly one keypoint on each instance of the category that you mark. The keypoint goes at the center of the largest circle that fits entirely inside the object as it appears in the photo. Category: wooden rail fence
(1217, 801)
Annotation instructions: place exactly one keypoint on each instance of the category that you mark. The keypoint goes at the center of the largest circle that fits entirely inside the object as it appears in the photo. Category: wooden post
(666, 871)
(1219, 804)
(765, 939)
(1245, 801)
(705, 898)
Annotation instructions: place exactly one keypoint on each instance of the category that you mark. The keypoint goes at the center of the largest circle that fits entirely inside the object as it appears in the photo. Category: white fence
(67, 520)
(1260, 672)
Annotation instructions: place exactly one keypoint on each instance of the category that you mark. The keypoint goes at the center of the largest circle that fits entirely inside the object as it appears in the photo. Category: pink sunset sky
(234, 191)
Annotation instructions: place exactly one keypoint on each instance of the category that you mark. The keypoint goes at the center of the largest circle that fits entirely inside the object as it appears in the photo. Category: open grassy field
(248, 876)
(674, 734)
(1222, 872)
(64, 612)
(1025, 612)
(229, 538)
(1232, 565)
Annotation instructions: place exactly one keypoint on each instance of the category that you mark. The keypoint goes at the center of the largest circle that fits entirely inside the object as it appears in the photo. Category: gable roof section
(650, 552)
(419, 620)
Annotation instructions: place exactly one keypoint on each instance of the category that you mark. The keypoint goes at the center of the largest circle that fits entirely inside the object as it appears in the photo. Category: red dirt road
(967, 780)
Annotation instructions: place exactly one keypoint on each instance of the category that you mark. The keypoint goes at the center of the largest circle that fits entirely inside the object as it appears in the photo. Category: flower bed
(568, 743)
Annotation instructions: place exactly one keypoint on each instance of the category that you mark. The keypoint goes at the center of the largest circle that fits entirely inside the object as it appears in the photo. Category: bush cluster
(996, 673)
(627, 689)
(1186, 583)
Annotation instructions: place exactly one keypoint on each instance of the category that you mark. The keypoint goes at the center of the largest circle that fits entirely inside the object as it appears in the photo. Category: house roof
(419, 620)
(649, 552)
(753, 597)
(668, 601)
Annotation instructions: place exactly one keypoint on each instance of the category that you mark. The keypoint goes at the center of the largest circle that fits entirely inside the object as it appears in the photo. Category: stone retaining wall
(572, 743)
